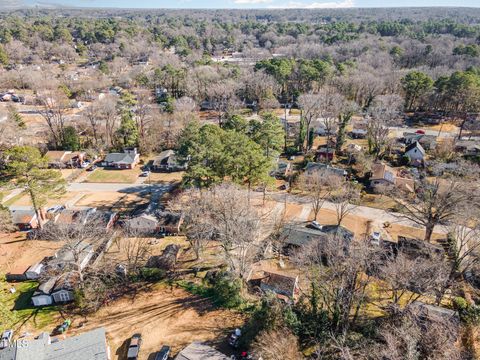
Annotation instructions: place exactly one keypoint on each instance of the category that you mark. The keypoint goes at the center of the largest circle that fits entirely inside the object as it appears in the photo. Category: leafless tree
(345, 199)
(384, 112)
(338, 270)
(54, 106)
(318, 185)
(234, 222)
(136, 248)
(435, 202)
(77, 236)
(277, 344)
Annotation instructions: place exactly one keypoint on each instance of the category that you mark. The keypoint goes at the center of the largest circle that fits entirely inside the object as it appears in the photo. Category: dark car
(163, 353)
(134, 347)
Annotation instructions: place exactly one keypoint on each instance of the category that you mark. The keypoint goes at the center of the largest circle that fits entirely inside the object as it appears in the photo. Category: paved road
(398, 132)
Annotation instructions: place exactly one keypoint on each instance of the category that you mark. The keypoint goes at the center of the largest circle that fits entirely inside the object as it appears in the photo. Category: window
(64, 296)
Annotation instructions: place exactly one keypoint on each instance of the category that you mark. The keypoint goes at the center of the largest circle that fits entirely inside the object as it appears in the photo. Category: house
(43, 295)
(415, 153)
(298, 236)
(428, 142)
(144, 223)
(154, 222)
(62, 159)
(359, 130)
(34, 271)
(91, 345)
(71, 216)
(282, 169)
(25, 219)
(314, 166)
(325, 153)
(384, 176)
(169, 222)
(63, 291)
(199, 351)
(128, 159)
(282, 285)
(67, 257)
(468, 147)
(434, 313)
(416, 248)
(167, 161)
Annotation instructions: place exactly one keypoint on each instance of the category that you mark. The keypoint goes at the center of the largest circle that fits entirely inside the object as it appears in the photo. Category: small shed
(42, 296)
(282, 285)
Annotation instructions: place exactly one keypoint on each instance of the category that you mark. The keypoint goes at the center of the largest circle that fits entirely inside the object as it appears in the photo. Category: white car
(315, 224)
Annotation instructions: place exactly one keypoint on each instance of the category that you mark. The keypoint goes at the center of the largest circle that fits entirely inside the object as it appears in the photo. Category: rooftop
(91, 345)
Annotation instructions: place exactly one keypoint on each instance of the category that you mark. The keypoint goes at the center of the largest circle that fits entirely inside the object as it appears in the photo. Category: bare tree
(384, 112)
(435, 202)
(54, 106)
(345, 199)
(277, 344)
(319, 185)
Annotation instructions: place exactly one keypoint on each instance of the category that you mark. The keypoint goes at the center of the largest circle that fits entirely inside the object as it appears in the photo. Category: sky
(245, 4)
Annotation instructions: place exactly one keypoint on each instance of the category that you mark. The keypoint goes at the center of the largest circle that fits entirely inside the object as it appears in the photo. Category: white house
(415, 153)
(42, 296)
(34, 271)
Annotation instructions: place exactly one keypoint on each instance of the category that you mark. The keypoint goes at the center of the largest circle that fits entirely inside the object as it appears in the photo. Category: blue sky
(251, 3)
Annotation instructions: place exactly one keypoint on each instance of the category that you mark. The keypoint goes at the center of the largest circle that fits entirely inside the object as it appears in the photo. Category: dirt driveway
(164, 316)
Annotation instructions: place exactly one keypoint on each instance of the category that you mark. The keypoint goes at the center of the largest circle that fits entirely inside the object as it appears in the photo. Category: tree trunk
(429, 231)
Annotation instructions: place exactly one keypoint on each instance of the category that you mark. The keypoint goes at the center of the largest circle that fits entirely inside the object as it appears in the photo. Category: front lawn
(17, 311)
(113, 176)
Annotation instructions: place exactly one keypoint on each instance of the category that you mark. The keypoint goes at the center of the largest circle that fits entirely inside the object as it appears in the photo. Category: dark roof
(46, 287)
(415, 145)
(282, 284)
(163, 158)
(168, 218)
(299, 236)
(120, 158)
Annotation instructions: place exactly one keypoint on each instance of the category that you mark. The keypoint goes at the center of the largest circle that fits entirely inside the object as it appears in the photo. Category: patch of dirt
(111, 200)
(164, 316)
(17, 253)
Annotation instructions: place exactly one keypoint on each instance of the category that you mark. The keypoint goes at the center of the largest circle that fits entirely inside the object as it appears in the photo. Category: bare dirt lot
(18, 253)
(164, 316)
(111, 200)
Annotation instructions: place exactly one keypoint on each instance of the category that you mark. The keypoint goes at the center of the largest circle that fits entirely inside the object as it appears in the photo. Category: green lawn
(113, 176)
(16, 309)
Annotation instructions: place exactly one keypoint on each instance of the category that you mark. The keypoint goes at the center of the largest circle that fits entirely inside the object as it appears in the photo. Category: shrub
(226, 291)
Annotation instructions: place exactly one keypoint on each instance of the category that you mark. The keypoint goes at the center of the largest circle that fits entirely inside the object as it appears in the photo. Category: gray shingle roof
(90, 345)
(120, 158)
(199, 351)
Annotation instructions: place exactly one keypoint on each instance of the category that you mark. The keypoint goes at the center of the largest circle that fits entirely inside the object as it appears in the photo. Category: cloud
(317, 5)
(244, 2)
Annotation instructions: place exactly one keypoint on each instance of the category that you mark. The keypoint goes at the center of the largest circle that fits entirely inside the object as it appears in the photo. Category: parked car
(92, 168)
(315, 225)
(145, 173)
(163, 353)
(234, 338)
(6, 338)
(134, 347)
